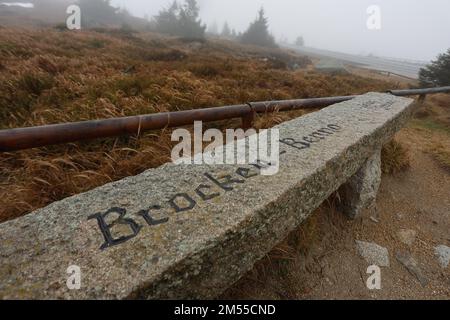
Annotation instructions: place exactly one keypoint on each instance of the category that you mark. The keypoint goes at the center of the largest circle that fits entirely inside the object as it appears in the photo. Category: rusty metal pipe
(33, 137)
(415, 92)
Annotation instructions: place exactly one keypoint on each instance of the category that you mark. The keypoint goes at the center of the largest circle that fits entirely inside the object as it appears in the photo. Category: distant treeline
(100, 13)
(180, 19)
(183, 20)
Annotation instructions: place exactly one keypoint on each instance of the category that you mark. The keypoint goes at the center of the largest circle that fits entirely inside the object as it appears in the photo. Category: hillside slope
(48, 76)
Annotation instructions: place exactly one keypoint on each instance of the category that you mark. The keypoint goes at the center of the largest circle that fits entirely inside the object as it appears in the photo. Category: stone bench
(182, 231)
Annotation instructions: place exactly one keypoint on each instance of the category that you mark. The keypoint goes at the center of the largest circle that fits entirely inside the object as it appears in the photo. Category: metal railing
(33, 137)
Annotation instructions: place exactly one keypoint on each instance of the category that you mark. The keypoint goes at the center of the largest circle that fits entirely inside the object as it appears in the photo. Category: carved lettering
(203, 195)
(226, 183)
(149, 219)
(105, 228)
(183, 196)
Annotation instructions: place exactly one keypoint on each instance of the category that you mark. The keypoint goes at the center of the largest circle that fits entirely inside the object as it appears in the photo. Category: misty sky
(414, 29)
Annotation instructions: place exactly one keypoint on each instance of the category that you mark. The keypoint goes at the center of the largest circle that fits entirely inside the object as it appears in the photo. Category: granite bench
(191, 231)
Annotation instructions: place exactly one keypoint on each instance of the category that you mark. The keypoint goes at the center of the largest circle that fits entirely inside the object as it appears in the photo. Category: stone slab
(190, 231)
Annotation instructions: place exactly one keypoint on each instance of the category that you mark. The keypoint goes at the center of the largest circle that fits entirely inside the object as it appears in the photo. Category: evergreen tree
(299, 41)
(226, 32)
(190, 26)
(181, 20)
(213, 28)
(258, 32)
(98, 13)
(167, 19)
(438, 72)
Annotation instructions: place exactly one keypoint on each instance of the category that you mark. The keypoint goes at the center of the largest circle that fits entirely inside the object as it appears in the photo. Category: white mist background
(411, 29)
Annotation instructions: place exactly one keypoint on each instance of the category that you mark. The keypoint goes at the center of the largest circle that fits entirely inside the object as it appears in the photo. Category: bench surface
(190, 231)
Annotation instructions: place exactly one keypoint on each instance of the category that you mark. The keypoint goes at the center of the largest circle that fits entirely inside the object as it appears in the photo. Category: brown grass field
(50, 76)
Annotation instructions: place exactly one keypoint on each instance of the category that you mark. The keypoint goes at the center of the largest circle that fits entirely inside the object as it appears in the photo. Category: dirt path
(325, 263)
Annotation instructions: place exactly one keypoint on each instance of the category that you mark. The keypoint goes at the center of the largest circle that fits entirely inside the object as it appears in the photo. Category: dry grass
(433, 118)
(49, 76)
(442, 155)
(434, 114)
(394, 158)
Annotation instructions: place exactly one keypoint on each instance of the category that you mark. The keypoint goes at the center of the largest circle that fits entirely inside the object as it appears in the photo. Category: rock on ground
(373, 253)
(407, 236)
(412, 266)
(443, 254)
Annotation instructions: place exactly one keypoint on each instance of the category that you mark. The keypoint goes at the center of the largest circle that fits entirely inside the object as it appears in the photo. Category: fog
(412, 29)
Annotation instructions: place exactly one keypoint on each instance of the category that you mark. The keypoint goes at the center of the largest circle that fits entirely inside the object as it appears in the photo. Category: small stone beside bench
(191, 231)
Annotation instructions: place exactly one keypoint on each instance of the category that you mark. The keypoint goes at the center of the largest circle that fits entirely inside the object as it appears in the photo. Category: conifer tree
(181, 20)
(438, 72)
(258, 32)
(226, 32)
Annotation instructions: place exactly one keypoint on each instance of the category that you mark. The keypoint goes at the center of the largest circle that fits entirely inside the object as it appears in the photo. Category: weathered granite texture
(443, 254)
(360, 192)
(408, 261)
(190, 231)
(373, 253)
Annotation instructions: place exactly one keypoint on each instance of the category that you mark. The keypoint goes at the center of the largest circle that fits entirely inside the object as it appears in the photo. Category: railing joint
(249, 119)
